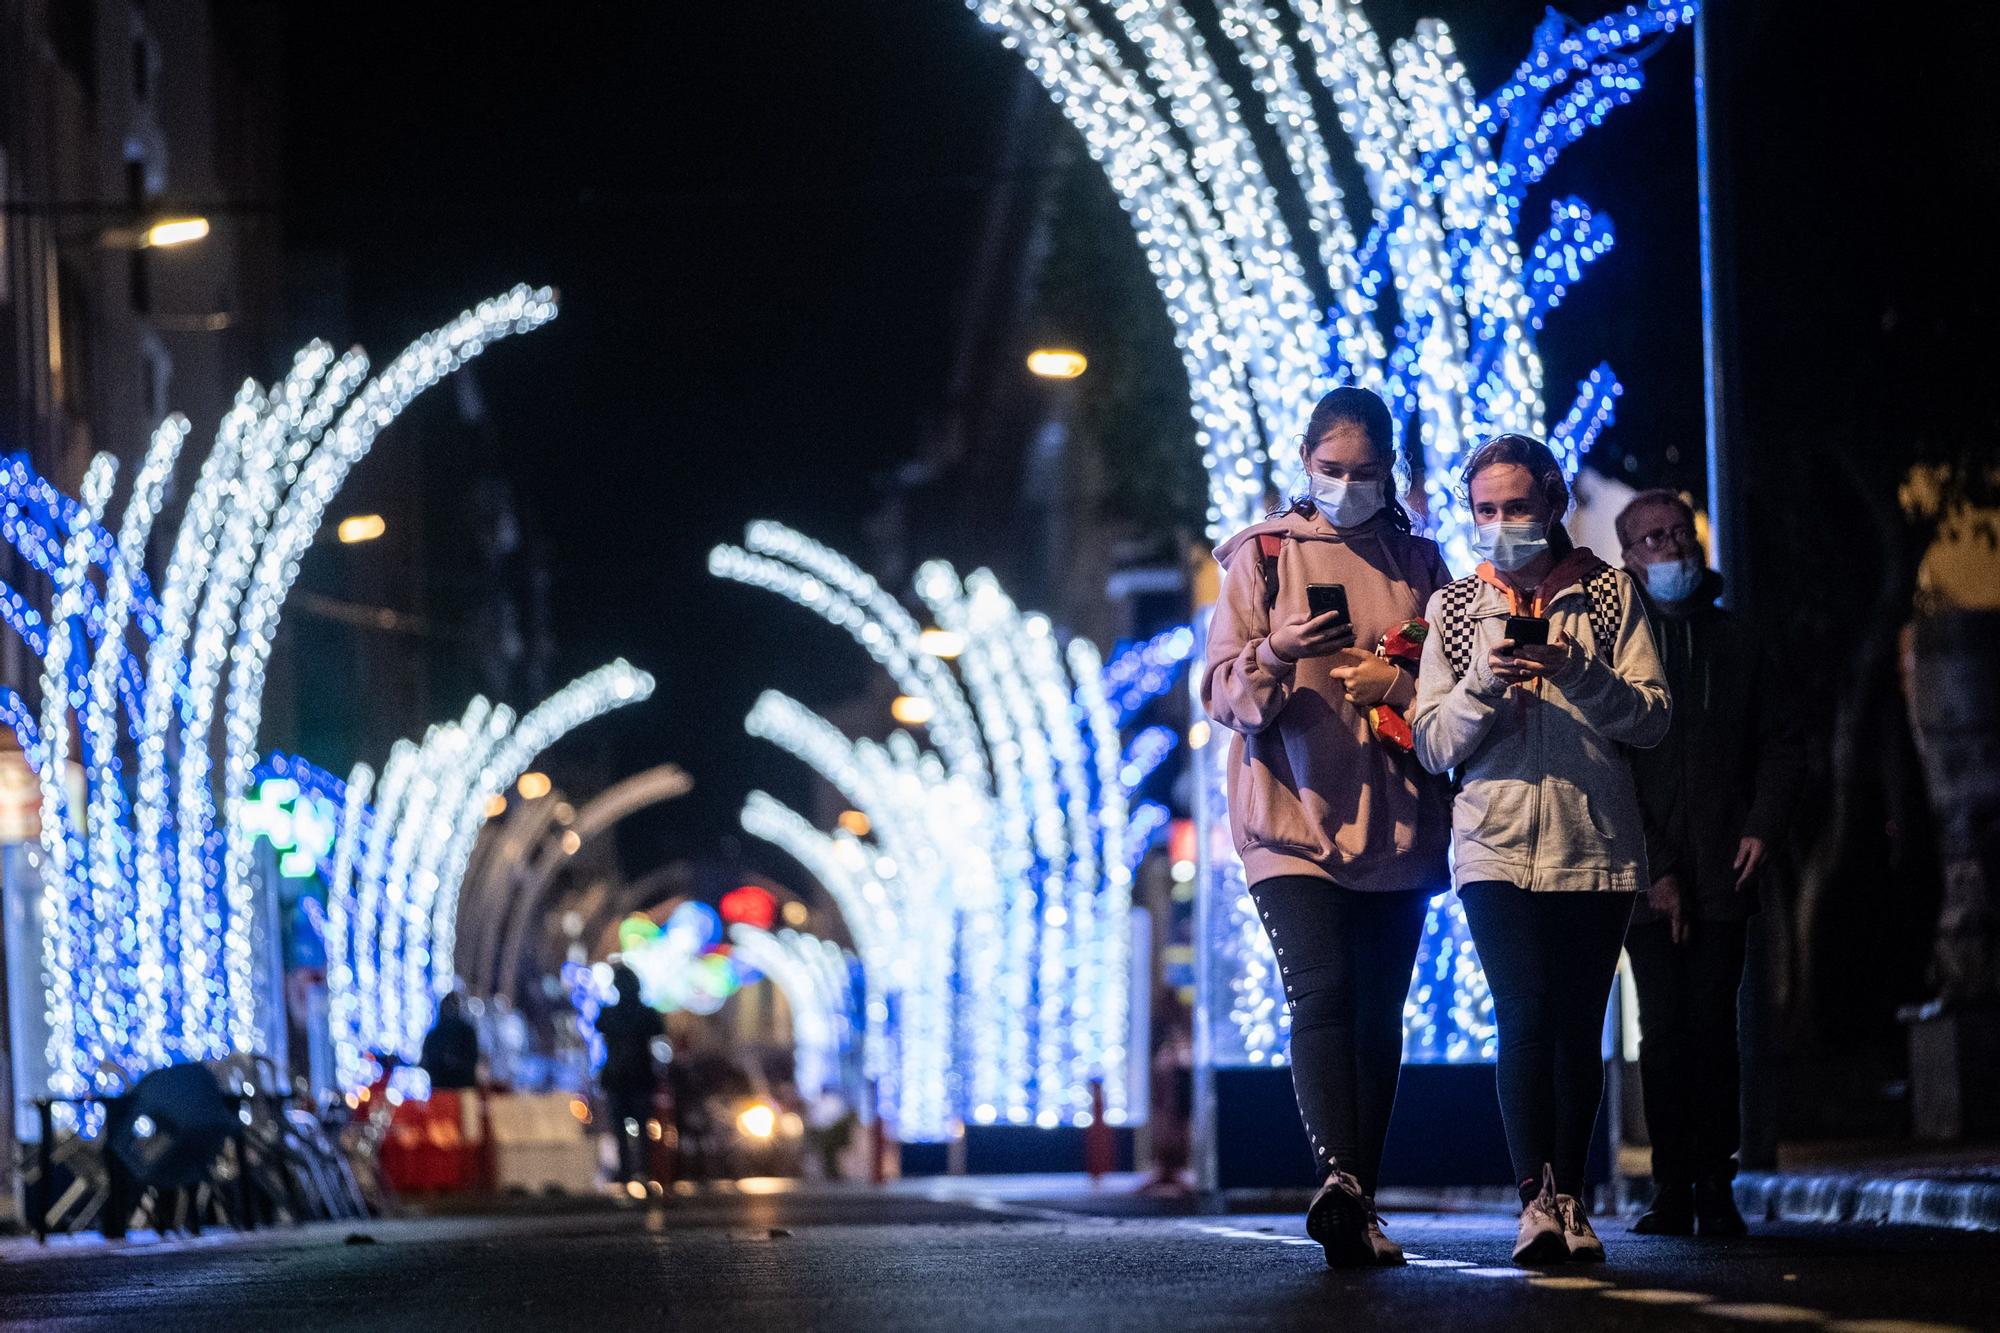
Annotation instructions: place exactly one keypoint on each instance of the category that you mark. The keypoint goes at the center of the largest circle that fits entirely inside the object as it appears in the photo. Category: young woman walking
(1547, 835)
(1342, 835)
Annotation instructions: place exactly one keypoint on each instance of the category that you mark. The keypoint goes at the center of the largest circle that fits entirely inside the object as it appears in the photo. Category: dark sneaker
(1339, 1219)
(1715, 1209)
(1670, 1214)
(1540, 1239)
(1387, 1252)
(1584, 1246)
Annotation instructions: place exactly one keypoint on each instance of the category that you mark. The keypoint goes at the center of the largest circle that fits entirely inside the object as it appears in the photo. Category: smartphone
(1324, 597)
(1528, 630)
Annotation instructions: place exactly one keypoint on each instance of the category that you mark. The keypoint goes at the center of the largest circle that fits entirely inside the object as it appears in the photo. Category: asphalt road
(872, 1262)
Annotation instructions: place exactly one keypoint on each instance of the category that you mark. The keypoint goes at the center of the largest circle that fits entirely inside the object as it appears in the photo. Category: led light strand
(75, 1043)
(426, 361)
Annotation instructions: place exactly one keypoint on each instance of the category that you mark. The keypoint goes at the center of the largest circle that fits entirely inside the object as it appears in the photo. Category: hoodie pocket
(1274, 814)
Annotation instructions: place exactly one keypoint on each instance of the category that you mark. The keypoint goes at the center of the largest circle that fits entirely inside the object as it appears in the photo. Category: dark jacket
(1733, 756)
(628, 1028)
(451, 1048)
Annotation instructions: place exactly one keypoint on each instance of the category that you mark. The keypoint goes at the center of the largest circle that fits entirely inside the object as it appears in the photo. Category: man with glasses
(1717, 793)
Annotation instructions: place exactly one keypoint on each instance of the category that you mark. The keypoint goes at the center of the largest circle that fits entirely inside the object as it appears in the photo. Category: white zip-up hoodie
(1546, 799)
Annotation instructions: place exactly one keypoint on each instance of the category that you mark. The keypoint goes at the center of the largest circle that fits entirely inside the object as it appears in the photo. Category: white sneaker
(1540, 1239)
(1584, 1246)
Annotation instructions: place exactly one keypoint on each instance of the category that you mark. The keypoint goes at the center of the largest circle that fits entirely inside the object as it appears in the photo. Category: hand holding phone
(1330, 628)
(1530, 653)
(1324, 598)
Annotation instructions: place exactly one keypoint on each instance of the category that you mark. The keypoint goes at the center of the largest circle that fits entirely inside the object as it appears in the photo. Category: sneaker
(1584, 1246)
(1339, 1219)
(1540, 1240)
(1387, 1252)
(1715, 1211)
(1670, 1214)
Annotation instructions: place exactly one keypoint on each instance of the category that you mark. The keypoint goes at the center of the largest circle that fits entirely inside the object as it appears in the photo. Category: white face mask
(1510, 545)
(1346, 504)
(1674, 581)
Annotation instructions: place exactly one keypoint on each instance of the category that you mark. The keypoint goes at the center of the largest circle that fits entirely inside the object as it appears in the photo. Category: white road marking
(1439, 1263)
(1496, 1272)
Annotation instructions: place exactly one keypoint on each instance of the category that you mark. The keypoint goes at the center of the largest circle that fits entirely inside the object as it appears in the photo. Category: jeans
(1346, 959)
(1549, 959)
(1688, 1059)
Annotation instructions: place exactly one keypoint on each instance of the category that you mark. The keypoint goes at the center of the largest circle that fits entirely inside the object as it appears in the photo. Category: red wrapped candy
(1403, 645)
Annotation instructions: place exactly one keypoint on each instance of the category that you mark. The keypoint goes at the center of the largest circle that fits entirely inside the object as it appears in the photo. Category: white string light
(1015, 867)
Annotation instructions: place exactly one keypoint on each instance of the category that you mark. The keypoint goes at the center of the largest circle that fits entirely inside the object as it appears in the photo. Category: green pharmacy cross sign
(300, 828)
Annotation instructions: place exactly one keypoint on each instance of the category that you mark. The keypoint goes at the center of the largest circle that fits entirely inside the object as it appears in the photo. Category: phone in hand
(1324, 597)
(1526, 630)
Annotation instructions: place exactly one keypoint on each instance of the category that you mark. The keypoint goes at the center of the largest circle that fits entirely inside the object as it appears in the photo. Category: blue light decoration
(1142, 672)
(1428, 299)
(148, 915)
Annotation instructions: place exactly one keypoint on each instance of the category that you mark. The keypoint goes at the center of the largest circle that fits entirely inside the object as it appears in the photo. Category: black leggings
(1346, 958)
(1549, 959)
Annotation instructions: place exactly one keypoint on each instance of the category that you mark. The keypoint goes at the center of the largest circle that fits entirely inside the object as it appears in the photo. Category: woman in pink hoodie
(1342, 835)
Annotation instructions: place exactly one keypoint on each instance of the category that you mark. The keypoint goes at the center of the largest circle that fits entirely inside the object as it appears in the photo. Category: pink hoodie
(1311, 791)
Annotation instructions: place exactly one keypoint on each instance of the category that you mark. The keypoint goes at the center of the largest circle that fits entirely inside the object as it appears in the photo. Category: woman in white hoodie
(1547, 836)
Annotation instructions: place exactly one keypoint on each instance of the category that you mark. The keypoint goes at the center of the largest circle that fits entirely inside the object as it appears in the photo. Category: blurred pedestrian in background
(451, 1048)
(629, 1027)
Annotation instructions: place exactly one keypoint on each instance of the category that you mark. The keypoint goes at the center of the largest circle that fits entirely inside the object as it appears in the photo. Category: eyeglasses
(1659, 539)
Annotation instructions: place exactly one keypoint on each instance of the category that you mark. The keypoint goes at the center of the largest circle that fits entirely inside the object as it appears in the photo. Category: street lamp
(175, 231)
(1057, 363)
(941, 643)
(161, 234)
(361, 528)
(911, 711)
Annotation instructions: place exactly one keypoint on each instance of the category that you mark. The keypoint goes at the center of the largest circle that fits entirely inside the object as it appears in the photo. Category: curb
(1960, 1205)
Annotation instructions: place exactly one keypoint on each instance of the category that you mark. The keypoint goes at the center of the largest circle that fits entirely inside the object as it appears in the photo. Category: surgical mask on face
(1346, 504)
(1510, 545)
(1675, 580)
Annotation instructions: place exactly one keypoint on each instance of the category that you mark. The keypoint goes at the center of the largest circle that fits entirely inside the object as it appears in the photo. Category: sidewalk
(1897, 1183)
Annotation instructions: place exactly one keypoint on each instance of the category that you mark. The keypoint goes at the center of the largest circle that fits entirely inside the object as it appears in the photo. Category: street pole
(1728, 542)
(1718, 325)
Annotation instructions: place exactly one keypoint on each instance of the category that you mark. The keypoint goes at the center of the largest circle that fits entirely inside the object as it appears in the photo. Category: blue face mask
(1510, 545)
(1674, 581)
(1346, 504)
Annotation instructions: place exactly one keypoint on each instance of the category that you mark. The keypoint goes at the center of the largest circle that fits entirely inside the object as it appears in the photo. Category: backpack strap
(1454, 627)
(1607, 608)
(1268, 546)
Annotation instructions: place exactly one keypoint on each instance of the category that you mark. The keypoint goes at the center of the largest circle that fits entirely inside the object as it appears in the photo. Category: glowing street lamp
(911, 711)
(1057, 363)
(941, 643)
(169, 232)
(534, 786)
(360, 528)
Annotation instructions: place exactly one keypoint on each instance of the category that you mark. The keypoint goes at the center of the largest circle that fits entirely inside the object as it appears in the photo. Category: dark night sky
(761, 217)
